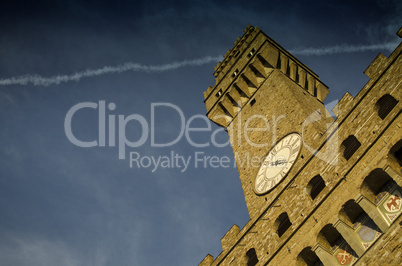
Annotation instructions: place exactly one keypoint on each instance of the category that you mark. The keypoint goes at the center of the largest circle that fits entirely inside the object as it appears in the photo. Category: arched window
(282, 224)
(351, 212)
(396, 152)
(329, 237)
(315, 186)
(308, 257)
(349, 146)
(376, 183)
(251, 257)
(385, 104)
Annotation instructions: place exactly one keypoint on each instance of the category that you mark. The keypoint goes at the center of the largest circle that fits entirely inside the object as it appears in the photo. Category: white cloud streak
(131, 66)
(38, 80)
(344, 48)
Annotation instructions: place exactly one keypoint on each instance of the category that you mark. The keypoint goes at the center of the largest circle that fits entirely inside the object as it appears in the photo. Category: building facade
(320, 190)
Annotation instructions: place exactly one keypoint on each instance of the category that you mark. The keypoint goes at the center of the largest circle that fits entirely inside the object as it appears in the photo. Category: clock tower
(320, 190)
(271, 104)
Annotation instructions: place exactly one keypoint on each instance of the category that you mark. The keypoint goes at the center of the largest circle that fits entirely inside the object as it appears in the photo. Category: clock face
(277, 163)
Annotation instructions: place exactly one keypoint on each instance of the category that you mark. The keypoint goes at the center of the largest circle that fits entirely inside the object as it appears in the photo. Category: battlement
(338, 205)
(239, 46)
(245, 68)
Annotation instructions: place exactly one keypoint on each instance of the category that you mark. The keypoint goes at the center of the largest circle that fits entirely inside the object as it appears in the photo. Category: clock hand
(278, 162)
(282, 162)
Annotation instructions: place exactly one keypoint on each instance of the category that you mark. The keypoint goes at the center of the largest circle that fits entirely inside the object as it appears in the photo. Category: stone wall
(355, 218)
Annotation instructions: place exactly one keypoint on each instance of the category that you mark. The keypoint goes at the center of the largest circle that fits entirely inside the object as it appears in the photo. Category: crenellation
(268, 56)
(208, 260)
(230, 238)
(239, 46)
(341, 196)
(376, 67)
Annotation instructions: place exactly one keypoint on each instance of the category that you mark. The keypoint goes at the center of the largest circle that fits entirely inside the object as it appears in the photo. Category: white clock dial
(277, 163)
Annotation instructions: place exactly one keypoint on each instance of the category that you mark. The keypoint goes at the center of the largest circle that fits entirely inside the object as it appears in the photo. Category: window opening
(385, 105)
(350, 146)
(252, 257)
(315, 186)
(283, 223)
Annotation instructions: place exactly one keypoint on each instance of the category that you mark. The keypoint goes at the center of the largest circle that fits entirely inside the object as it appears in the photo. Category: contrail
(46, 81)
(37, 80)
(344, 48)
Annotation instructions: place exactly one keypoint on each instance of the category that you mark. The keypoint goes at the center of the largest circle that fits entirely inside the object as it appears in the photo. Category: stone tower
(318, 190)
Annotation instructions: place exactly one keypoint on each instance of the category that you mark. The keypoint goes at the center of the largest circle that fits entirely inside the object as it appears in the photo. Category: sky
(99, 164)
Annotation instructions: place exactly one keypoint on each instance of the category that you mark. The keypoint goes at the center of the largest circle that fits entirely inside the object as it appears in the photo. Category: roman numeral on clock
(278, 163)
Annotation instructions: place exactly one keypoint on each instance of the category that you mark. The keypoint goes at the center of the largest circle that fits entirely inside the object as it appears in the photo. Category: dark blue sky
(66, 205)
